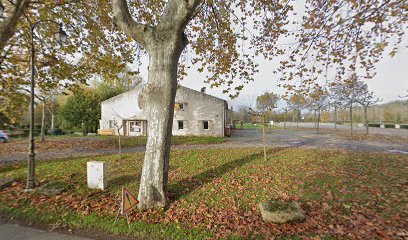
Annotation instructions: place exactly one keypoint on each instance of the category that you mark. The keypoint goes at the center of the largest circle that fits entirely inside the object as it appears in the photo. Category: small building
(195, 114)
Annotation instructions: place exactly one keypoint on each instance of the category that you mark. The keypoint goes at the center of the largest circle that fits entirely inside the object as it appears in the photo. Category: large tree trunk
(164, 43)
(160, 93)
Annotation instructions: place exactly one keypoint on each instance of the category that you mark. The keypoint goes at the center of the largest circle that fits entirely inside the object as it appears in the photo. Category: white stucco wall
(121, 107)
(199, 107)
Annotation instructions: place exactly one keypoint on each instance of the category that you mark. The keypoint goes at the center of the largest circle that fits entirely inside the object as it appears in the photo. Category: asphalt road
(9, 231)
(305, 138)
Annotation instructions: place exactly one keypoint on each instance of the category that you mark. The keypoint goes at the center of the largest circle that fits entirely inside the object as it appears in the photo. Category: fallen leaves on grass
(345, 195)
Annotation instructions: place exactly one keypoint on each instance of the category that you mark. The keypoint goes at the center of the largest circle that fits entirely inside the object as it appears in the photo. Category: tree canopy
(309, 39)
(81, 111)
(267, 101)
(94, 48)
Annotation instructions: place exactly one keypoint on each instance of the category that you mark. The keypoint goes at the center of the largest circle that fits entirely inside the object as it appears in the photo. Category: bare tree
(297, 102)
(118, 127)
(335, 101)
(347, 93)
(286, 109)
(261, 114)
(266, 103)
(318, 101)
(366, 99)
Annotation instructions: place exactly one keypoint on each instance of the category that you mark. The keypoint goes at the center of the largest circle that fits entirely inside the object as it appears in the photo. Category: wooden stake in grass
(263, 133)
(263, 117)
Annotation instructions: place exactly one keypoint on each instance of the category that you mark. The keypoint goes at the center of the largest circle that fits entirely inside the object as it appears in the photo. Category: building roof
(139, 87)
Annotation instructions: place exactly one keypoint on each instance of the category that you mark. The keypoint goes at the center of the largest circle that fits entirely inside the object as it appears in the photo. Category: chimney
(203, 89)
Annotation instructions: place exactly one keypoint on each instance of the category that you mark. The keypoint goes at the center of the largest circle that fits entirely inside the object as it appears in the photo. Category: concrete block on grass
(97, 175)
(277, 211)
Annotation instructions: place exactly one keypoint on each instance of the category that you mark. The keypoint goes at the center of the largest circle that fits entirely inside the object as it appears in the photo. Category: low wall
(331, 125)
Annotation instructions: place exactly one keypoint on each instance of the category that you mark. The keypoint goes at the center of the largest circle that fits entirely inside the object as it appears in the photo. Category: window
(205, 125)
(138, 126)
(180, 106)
(180, 125)
(111, 124)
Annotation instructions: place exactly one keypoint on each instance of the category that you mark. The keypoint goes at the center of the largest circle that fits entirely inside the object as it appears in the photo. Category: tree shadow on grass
(123, 180)
(186, 186)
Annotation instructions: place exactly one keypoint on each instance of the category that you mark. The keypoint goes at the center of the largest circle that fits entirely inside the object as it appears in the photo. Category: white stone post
(97, 175)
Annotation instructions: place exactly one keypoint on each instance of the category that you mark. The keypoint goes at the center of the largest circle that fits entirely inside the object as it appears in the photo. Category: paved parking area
(309, 138)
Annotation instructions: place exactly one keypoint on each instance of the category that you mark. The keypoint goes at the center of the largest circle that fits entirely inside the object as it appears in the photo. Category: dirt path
(241, 138)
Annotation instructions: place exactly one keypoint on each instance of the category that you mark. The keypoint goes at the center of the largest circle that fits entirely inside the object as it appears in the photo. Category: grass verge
(87, 143)
(215, 194)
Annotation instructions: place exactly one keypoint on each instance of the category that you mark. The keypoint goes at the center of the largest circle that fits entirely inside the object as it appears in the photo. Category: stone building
(195, 114)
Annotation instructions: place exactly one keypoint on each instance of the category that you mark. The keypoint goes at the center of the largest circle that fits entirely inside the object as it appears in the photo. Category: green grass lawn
(141, 140)
(175, 140)
(249, 126)
(55, 143)
(215, 194)
(252, 126)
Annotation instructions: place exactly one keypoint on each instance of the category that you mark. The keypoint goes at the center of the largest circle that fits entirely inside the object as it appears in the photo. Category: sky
(390, 82)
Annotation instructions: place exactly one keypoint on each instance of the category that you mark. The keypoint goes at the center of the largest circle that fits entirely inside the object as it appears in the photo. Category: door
(135, 128)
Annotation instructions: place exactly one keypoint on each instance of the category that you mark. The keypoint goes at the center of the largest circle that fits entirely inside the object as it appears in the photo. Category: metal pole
(31, 154)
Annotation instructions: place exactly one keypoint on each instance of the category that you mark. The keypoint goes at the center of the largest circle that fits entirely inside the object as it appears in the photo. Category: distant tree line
(59, 111)
(346, 102)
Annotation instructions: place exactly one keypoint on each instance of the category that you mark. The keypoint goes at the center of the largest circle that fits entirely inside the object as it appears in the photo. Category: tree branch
(124, 20)
(8, 25)
(178, 14)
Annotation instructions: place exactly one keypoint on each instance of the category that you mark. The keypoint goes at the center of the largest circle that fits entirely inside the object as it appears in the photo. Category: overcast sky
(390, 82)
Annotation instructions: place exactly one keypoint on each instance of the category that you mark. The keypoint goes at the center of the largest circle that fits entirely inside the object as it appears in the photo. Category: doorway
(135, 128)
